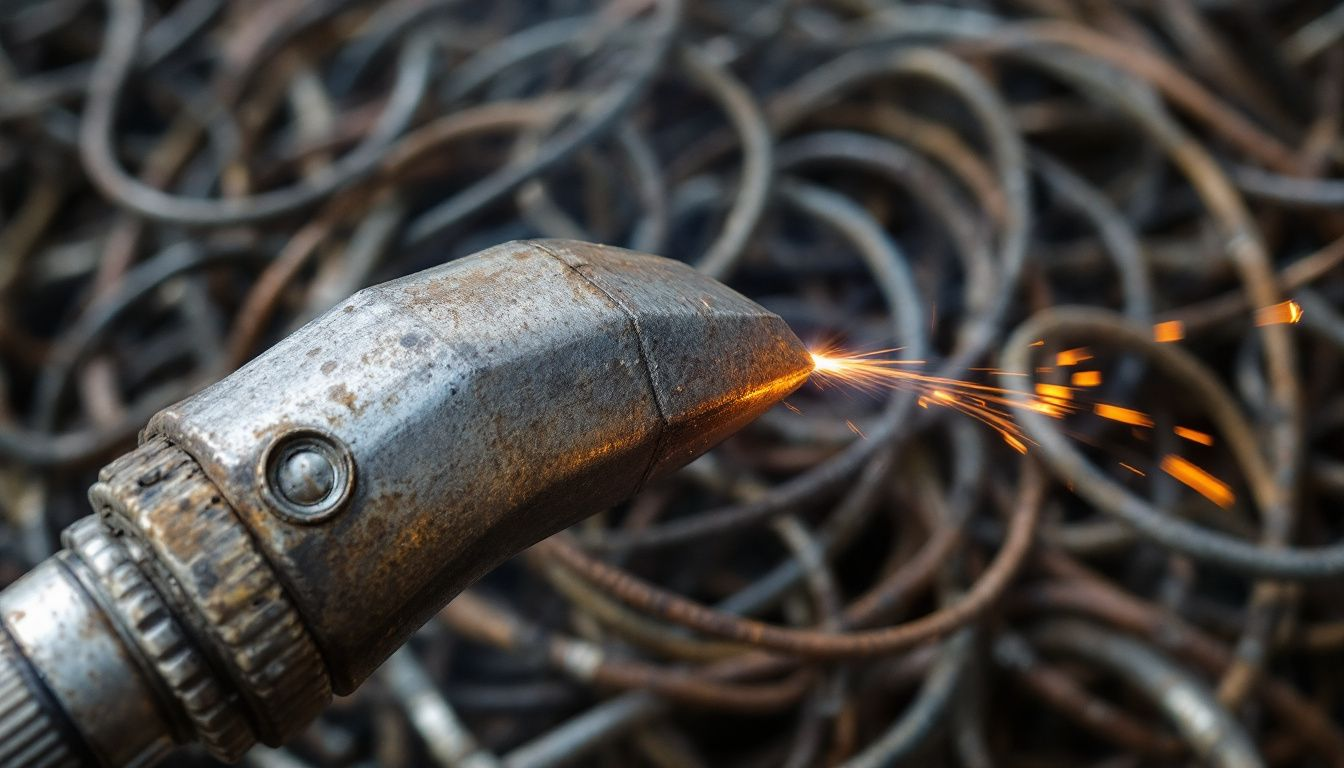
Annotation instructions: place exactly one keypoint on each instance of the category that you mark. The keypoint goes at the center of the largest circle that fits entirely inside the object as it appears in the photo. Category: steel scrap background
(854, 580)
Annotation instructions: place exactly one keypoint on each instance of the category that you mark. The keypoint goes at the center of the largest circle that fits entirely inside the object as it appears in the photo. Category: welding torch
(276, 536)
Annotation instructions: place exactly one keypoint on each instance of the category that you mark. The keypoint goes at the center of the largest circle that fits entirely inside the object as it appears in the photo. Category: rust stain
(339, 393)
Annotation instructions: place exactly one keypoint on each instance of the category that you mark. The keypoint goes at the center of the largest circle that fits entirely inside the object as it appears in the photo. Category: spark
(1283, 312)
(1086, 379)
(996, 407)
(1202, 438)
(867, 371)
(1052, 393)
(1172, 330)
(1201, 482)
(1123, 415)
(985, 403)
(1049, 409)
(1072, 357)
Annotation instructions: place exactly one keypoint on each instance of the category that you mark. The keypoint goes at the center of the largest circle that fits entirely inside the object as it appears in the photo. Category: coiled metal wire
(854, 580)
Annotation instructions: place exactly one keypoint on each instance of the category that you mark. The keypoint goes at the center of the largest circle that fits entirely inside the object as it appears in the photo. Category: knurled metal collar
(214, 712)
(201, 557)
(29, 738)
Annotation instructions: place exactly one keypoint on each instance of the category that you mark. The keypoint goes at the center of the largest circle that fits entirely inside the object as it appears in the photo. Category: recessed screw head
(305, 478)
(307, 475)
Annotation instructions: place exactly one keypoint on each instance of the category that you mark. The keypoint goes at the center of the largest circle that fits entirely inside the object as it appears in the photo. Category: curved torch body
(276, 536)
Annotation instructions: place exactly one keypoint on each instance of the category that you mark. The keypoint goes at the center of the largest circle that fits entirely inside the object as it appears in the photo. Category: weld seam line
(645, 359)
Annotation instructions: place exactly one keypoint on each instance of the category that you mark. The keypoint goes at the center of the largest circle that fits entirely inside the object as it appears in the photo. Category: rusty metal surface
(28, 724)
(487, 404)
(356, 477)
(192, 698)
(1216, 737)
(84, 664)
(201, 558)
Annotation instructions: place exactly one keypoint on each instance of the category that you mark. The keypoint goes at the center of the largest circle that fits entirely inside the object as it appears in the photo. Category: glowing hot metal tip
(824, 364)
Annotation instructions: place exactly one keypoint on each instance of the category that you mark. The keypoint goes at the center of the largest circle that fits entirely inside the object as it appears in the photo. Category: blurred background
(1130, 210)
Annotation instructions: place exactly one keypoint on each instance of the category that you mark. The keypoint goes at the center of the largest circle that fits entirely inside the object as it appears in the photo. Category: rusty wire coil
(855, 580)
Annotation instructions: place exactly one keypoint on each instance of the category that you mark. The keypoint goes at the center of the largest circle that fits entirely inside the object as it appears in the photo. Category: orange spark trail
(1123, 415)
(1202, 482)
(1054, 392)
(987, 404)
(1072, 357)
(1283, 312)
(1194, 435)
(1086, 379)
(995, 406)
(1172, 330)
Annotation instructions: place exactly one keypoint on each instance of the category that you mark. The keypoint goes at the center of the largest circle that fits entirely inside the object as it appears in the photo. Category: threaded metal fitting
(202, 559)
(29, 735)
(158, 624)
(212, 713)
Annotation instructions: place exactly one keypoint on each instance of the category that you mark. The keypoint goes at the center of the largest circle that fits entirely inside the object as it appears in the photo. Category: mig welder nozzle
(278, 535)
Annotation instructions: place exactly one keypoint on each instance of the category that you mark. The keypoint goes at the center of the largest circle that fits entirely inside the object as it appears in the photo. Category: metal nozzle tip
(716, 359)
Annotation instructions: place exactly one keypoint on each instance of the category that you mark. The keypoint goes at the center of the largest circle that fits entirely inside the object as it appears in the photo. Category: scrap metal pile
(1120, 213)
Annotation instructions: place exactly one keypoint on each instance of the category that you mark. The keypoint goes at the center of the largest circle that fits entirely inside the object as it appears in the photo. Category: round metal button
(307, 475)
(305, 478)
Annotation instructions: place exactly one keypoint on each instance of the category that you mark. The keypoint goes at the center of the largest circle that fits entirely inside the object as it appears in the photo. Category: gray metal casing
(486, 403)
